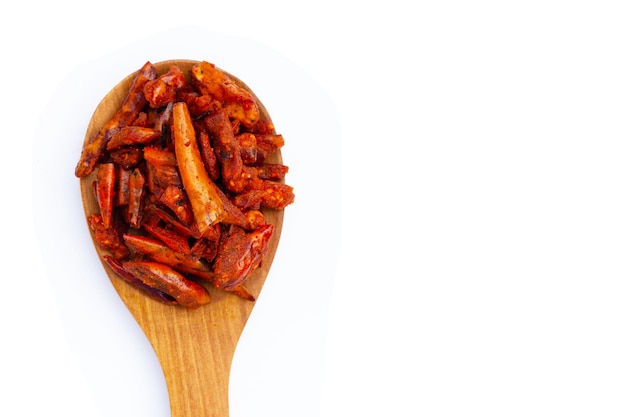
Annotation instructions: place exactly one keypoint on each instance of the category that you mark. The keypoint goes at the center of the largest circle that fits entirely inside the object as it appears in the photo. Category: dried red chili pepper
(158, 251)
(109, 238)
(132, 135)
(163, 278)
(206, 202)
(239, 254)
(127, 276)
(136, 191)
(105, 191)
(133, 103)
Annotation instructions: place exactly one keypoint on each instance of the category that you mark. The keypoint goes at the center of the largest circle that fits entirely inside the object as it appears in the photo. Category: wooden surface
(195, 347)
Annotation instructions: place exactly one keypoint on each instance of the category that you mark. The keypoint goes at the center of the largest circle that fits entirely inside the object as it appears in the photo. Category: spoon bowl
(195, 347)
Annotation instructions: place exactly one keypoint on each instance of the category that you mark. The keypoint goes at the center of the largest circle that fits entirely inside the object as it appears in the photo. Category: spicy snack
(182, 180)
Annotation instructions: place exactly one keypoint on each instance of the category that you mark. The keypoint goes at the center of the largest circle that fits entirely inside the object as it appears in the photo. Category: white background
(476, 266)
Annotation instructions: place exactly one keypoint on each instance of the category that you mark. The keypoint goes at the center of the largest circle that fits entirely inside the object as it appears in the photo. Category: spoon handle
(195, 349)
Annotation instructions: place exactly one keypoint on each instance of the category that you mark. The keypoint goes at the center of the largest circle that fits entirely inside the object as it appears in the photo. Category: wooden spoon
(195, 347)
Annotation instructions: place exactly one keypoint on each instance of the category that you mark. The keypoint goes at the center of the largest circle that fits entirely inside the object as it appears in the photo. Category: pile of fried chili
(181, 182)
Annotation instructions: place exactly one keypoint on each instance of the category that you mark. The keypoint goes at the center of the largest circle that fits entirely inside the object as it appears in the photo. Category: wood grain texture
(195, 347)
